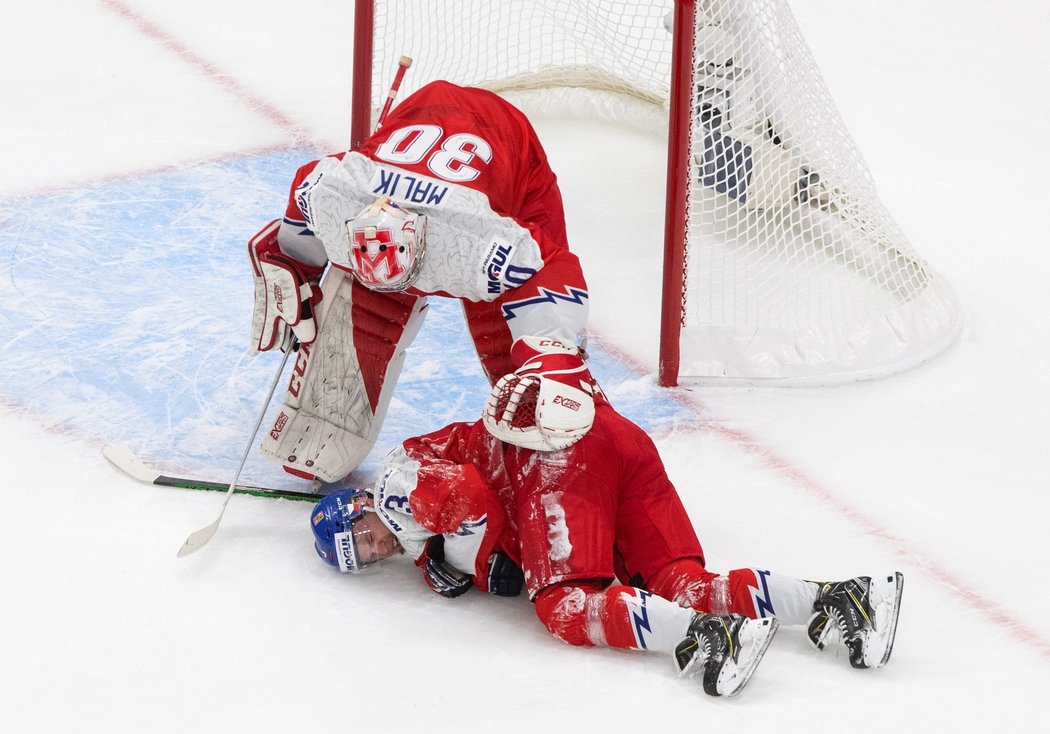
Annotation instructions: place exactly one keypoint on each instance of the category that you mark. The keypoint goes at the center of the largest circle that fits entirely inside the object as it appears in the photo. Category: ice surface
(145, 144)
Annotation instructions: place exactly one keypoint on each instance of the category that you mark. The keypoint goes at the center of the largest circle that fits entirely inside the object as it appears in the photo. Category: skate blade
(754, 638)
(885, 596)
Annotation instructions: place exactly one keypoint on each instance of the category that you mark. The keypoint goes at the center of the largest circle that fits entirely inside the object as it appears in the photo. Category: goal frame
(935, 326)
(677, 192)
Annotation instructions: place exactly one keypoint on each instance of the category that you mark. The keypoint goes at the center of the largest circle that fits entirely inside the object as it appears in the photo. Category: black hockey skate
(862, 613)
(724, 650)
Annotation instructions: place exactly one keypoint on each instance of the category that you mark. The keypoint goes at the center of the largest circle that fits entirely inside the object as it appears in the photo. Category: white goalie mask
(387, 243)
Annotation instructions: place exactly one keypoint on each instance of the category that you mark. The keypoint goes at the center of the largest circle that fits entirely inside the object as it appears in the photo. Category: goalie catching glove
(285, 296)
(547, 404)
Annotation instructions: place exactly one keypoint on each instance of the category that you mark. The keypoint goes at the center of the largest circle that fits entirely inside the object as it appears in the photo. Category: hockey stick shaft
(200, 538)
(402, 66)
(125, 459)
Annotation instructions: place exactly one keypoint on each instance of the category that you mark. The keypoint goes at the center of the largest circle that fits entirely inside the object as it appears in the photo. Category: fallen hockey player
(591, 526)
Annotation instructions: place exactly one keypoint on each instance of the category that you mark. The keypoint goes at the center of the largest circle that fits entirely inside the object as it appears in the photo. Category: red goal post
(781, 265)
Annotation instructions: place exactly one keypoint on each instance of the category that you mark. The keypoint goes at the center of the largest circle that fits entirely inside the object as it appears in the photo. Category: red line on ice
(992, 611)
(298, 134)
(110, 178)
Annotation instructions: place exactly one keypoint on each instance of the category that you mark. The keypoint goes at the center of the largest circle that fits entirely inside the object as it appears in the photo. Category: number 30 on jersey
(448, 158)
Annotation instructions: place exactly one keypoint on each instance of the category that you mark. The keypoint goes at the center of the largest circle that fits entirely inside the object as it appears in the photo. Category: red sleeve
(449, 489)
(541, 210)
(454, 486)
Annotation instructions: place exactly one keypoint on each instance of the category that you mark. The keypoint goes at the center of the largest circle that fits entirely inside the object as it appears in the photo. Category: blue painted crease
(126, 309)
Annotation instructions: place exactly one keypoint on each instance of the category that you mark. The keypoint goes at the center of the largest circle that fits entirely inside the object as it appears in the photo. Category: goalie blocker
(285, 294)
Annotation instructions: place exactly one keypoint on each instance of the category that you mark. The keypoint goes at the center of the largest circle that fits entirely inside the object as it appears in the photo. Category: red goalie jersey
(473, 138)
(495, 234)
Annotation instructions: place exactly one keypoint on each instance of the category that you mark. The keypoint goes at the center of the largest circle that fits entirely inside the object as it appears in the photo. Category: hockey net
(782, 266)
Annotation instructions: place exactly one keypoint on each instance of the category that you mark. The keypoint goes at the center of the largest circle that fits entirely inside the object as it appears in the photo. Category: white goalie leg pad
(327, 425)
(311, 445)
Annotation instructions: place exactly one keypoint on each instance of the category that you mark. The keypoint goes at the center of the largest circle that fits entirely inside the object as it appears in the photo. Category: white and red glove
(285, 296)
(547, 404)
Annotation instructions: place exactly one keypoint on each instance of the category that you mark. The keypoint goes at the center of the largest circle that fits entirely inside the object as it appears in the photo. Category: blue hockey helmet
(333, 521)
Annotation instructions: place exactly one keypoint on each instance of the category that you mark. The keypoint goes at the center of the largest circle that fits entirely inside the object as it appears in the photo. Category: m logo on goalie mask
(386, 246)
(375, 255)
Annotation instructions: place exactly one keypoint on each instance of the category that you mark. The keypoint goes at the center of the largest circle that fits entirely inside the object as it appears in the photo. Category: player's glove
(504, 577)
(441, 577)
(285, 296)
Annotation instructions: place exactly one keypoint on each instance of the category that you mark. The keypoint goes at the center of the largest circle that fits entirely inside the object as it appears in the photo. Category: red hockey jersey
(600, 509)
(469, 161)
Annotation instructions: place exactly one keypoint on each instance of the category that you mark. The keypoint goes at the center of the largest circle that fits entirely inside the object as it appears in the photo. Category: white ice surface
(941, 473)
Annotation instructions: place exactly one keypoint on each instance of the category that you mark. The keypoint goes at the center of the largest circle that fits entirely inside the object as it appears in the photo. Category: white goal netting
(794, 272)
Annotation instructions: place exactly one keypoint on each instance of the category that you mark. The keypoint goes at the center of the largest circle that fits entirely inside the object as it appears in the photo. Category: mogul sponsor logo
(344, 546)
(566, 402)
(496, 260)
(278, 425)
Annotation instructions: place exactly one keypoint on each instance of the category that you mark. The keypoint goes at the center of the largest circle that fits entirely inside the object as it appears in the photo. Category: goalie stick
(199, 538)
(123, 458)
(402, 66)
